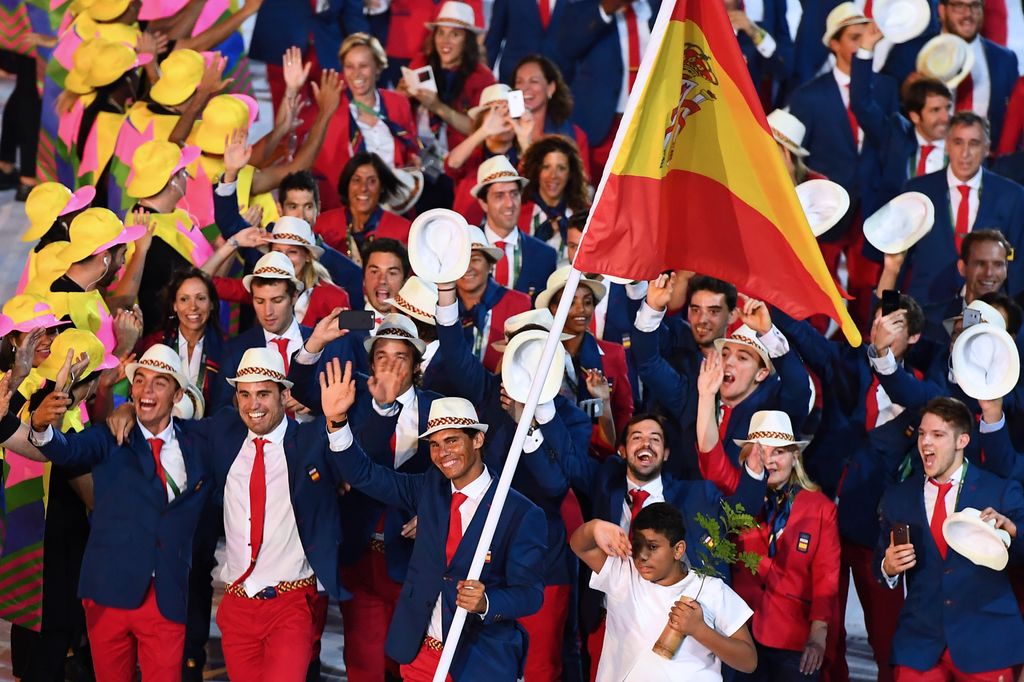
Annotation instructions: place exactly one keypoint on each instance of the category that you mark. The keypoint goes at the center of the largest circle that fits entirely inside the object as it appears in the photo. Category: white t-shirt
(637, 613)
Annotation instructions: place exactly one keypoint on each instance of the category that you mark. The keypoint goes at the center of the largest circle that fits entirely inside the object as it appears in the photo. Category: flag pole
(451, 640)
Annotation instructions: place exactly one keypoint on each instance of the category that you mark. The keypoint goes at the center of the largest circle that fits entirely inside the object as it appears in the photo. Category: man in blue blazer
(766, 45)
(958, 616)
(149, 496)
(450, 501)
(930, 272)
(521, 27)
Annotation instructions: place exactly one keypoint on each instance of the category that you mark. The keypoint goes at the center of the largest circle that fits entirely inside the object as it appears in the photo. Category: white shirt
(407, 427)
(637, 613)
(511, 246)
(654, 487)
(474, 493)
(170, 457)
(292, 333)
(302, 303)
(281, 556)
(973, 201)
(884, 365)
(377, 137)
(191, 365)
(936, 159)
(643, 15)
(431, 351)
(843, 81)
(980, 78)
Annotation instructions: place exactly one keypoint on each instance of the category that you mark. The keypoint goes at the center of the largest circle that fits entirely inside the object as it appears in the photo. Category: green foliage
(718, 545)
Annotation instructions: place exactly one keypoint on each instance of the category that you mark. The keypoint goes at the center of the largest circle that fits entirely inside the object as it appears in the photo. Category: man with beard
(385, 269)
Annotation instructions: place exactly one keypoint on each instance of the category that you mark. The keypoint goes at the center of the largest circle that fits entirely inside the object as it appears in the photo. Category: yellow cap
(153, 165)
(95, 230)
(107, 10)
(180, 74)
(223, 115)
(49, 200)
(99, 62)
(28, 311)
(79, 341)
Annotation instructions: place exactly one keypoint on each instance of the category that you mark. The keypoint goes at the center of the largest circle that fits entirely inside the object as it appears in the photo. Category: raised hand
(294, 406)
(612, 540)
(597, 384)
(496, 121)
(151, 42)
(325, 331)
(25, 356)
(712, 371)
(51, 411)
(121, 422)
(237, 152)
(211, 82)
(328, 93)
(127, 330)
(659, 291)
(5, 393)
(337, 390)
(886, 329)
(295, 72)
(754, 314)
(389, 375)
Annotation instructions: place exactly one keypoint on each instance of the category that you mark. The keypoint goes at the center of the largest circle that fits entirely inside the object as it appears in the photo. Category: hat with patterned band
(161, 359)
(397, 327)
(274, 265)
(260, 364)
(452, 413)
(417, 298)
(745, 336)
(772, 428)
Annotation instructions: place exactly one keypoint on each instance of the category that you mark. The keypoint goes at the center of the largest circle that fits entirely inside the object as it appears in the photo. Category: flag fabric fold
(695, 180)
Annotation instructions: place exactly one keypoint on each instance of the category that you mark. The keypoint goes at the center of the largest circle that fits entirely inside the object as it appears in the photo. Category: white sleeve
(775, 342)
(225, 189)
(636, 291)
(890, 581)
(985, 427)
(648, 319)
(39, 438)
(341, 439)
(882, 364)
(732, 613)
(304, 357)
(613, 578)
(766, 48)
(385, 411)
(446, 315)
(605, 17)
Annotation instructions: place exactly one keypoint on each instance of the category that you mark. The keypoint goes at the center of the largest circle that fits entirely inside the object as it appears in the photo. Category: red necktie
(282, 348)
(962, 215)
(454, 527)
(939, 515)
(636, 503)
(545, 12)
(723, 424)
(257, 506)
(501, 267)
(922, 160)
(854, 128)
(633, 40)
(157, 444)
(868, 8)
(871, 405)
(965, 94)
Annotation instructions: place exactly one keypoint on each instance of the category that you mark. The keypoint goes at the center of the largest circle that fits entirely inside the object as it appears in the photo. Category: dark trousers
(39, 656)
(776, 665)
(200, 589)
(19, 131)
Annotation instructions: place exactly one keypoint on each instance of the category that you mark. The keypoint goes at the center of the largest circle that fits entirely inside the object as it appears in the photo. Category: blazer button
(949, 602)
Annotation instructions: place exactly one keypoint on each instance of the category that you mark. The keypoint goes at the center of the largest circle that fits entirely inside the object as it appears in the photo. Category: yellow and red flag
(695, 180)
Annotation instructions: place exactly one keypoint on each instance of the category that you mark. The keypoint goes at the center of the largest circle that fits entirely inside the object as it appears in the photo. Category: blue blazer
(952, 603)
(493, 647)
(1002, 75)
(778, 67)
(808, 51)
(314, 488)
(281, 24)
(539, 261)
(930, 272)
(593, 47)
(515, 31)
(137, 536)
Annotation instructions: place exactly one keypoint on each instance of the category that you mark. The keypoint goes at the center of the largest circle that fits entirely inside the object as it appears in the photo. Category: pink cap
(80, 199)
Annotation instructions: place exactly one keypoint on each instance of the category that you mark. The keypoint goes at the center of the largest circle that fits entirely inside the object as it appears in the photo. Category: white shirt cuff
(39, 438)
(385, 410)
(648, 319)
(985, 427)
(533, 441)
(304, 357)
(756, 477)
(225, 189)
(766, 48)
(890, 581)
(446, 315)
(487, 607)
(636, 291)
(775, 342)
(882, 364)
(545, 412)
(341, 439)
(864, 53)
(605, 17)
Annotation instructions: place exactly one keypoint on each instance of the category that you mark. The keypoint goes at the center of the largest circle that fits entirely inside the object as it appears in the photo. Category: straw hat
(191, 406)
(417, 298)
(410, 188)
(25, 312)
(901, 20)
(161, 359)
(154, 163)
(745, 336)
(95, 230)
(452, 413)
(397, 327)
(260, 364)
(978, 541)
(520, 362)
(538, 319)
(772, 428)
(946, 57)
(180, 74)
(985, 362)
(842, 15)
(496, 92)
(456, 15)
(291, 230)
(478, 242)
(273, 265)
(901, 223)
(439, 245)
(223, 115)
(496, 169)
(788, 131)
(824, 203)
(48, 201)
(556, 282)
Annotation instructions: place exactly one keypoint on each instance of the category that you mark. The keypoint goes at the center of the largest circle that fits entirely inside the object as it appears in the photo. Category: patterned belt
(237, 590)
(376, 545)
(435, 644)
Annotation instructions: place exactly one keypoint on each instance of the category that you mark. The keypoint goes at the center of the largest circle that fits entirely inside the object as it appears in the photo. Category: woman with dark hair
(549, 100)
(366, 186)
(190, 325)
(557, 189)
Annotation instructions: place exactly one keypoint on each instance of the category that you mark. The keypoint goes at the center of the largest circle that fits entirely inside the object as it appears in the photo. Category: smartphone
(971, 317)
(421, 78)
(516, 104)
(355, 320)
(890, 301)
(901, 534)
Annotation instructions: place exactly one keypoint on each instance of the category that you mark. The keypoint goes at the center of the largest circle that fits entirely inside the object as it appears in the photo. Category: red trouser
(367, 616)
(423, 666)
(546, 629)
(881, 613)
(946, 671)
(268, 639)
(119, 637)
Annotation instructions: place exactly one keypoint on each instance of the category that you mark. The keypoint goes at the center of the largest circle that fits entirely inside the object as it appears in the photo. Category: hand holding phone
(899, 555)
(890, 301)
(516, 104)
(355, 320)
(901, 533)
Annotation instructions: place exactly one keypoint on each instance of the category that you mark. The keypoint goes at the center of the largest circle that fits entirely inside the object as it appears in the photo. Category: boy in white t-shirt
(647, 585)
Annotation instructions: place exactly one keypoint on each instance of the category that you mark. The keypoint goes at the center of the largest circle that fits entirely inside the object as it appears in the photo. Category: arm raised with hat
(210, 84)
(670, 388)
(1001, 458)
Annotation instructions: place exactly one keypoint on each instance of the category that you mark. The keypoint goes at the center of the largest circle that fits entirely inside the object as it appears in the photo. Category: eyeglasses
(965, 6)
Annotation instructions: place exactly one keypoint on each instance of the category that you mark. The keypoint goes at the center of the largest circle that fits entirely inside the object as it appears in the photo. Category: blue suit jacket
(778, 67)
(314, 488)
(952, 603)
(930, 271)
(808, 52)
(493, 647)
(280, 24)
(515, 31)
(592, 46)
(539, 261)
(137, 536)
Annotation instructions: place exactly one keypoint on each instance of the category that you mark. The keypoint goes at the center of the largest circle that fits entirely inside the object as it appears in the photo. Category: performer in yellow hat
(50, 208)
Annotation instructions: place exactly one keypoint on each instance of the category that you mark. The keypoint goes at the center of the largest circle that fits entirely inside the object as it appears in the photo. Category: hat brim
(951, 81)
(810, 192)
(520, 363)
(257, 378)
(411, 180)
(247, 282)
(160, 9)
(435, 261)
(764, 356)
(47, 321)
(129, 371)
(545, 297)
(492, 252)
(789, 144)
(80, 199)
(408, 311)
(852, 21)
(501, 344)
(976, 541)
(898, 27)
(127, 236)
(482, 428)
(1006, 378)
(450, 23)
(515, 178)
(773, 442)
(317, 251)
(876, 226)
(417, 343)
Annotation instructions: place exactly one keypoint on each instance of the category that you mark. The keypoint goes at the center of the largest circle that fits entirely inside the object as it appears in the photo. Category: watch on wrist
(339, 424)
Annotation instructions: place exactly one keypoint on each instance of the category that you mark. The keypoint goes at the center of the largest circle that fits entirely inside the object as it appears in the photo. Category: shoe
(23, 191)
(9, 180)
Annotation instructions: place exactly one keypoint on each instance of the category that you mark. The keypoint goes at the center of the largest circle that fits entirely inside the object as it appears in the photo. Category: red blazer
(615, 369)
(335, 153)
(408, 32)
(470, 95)
(1013, 124)
(512, 303)
(333, 227)
(465, 178)
(325, 298)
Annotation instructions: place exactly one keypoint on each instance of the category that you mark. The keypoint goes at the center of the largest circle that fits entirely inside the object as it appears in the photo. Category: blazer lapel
(147, 463)
(470, 539)
(292, 457)
(616, 495)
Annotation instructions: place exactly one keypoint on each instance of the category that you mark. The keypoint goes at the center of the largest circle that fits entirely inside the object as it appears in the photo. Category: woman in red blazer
(557, 190)
(366, 186)
(795, 591)
(369, 118)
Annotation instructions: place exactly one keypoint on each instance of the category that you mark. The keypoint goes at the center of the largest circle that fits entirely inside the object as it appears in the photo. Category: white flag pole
(451, 640)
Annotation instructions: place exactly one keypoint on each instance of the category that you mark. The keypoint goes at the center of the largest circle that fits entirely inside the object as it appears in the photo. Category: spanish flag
(695, 180)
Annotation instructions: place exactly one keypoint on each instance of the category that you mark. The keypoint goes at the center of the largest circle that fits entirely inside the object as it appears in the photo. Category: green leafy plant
(718, 545)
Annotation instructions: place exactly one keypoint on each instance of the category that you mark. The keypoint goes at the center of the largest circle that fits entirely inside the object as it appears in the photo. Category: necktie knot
(965, 191)
(500, 244)
(943, 487)
(457, 500)
(636, 502)
(260, 443)
(156, 445)
(282, 348)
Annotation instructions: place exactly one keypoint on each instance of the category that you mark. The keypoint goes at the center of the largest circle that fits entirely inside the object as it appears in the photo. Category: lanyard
(480, 337)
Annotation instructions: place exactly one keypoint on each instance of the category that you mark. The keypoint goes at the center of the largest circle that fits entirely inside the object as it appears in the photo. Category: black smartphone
(901, 533)
(890, 301)
(355, 320)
